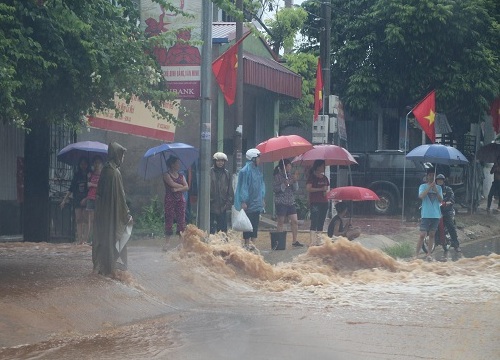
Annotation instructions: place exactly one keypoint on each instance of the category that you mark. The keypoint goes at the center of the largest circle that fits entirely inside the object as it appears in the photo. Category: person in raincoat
(111, 216)
(249, 194)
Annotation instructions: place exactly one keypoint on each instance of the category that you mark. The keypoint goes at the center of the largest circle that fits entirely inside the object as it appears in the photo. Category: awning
(271, 75)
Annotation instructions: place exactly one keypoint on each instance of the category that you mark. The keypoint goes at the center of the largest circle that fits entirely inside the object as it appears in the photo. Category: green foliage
(400, 250)
(303, 211)
(391, 53)
(300, 112)
(284, 26)
(60, 60)
(152, 218)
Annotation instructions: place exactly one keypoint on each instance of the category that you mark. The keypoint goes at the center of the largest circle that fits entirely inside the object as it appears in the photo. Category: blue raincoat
(250, 188)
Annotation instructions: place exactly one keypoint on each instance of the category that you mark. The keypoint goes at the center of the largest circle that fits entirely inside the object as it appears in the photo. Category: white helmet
(252, 154)
(220, 156)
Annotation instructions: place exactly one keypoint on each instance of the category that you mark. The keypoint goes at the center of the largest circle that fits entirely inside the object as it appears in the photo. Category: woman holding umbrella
(93, 181)
(284, 186)
(317, 186)
(175, 203)
(78, 192)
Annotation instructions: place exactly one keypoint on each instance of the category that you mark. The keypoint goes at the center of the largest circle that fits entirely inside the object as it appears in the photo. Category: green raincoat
(111, 214)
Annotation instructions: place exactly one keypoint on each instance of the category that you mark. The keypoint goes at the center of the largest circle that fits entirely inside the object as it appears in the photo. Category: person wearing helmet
(448, 211)
(221, 193)
(431, 195)
(249, 194)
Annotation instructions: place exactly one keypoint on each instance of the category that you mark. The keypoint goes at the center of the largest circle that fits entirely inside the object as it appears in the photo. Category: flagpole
(404, 167)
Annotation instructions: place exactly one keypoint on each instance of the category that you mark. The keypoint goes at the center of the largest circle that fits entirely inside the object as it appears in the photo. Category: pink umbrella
(332, 154)
(352, 193)
(283, 147)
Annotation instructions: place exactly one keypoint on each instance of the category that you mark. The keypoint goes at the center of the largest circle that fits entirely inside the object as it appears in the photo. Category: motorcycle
(442, 237)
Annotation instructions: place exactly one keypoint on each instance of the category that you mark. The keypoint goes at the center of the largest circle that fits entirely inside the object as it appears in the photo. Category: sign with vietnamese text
(181, 62)
(137, 119)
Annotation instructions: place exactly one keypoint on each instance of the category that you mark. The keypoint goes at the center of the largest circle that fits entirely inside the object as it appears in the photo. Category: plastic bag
(240, 220)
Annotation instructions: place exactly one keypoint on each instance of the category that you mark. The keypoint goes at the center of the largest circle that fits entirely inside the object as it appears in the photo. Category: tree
(299, 112)
(391, 53)
(63, 59)
(284, 26)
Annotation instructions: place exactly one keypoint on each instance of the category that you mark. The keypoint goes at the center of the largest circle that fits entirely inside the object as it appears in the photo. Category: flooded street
(216, 301)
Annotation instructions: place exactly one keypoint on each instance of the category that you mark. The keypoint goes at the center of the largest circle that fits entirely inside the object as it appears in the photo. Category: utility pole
(205, 121)
(325, 45)
(239, 95)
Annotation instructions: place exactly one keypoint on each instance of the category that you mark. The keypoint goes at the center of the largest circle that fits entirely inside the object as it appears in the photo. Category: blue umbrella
(438, 154)
(72, 153)
(154, 161)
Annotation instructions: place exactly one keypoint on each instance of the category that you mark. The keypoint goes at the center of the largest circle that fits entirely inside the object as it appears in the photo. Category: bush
(400, 251)
(152, 218)
(303, 211)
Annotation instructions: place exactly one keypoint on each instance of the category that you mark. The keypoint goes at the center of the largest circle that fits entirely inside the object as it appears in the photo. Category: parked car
(383, 172)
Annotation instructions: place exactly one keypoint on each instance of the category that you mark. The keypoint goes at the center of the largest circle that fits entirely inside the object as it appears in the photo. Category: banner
(136, 119)
(180, 63)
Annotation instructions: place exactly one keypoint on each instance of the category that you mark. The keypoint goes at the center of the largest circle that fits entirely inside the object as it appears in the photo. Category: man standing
(448, 211)
(221, 193)
(431, 196)
(249, 194)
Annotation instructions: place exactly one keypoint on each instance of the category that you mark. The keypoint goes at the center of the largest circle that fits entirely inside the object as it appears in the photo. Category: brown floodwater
(217, 301)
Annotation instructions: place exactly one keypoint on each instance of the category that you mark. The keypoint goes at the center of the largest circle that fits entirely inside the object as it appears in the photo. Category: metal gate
(61, 221)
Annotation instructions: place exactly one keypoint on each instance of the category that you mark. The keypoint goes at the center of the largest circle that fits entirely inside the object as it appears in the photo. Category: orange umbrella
(283, 147)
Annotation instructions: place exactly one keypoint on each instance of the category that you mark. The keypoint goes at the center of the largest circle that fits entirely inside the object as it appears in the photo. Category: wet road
(218, 302)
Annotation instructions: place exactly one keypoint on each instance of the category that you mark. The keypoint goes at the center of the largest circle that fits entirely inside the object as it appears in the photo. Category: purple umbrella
(72, 153)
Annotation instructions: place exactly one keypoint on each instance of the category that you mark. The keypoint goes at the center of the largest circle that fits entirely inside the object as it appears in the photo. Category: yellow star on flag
(425, 113)
(430, 117)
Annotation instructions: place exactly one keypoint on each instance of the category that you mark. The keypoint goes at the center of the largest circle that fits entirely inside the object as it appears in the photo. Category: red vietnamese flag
(225, 70)
(495, 114)
(318, 91)
(425, 113)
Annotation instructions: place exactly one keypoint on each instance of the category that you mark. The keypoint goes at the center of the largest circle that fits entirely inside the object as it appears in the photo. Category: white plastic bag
(240, 220)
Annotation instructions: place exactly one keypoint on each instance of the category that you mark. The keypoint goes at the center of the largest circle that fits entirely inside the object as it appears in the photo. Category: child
(93, 180)
(337, 226)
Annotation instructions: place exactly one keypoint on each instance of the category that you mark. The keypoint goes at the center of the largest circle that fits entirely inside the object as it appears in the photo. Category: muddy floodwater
(217, 301)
